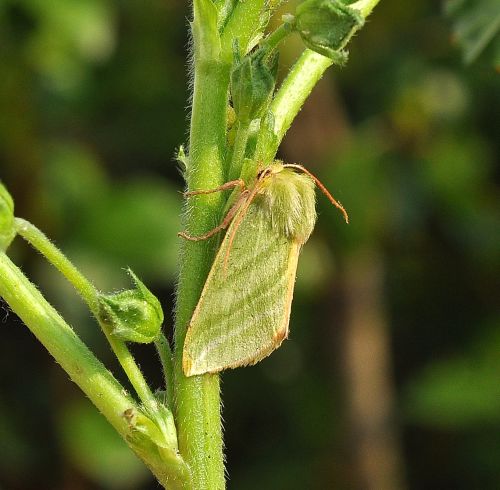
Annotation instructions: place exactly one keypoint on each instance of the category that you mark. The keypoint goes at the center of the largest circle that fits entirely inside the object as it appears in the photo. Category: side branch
(294, 91)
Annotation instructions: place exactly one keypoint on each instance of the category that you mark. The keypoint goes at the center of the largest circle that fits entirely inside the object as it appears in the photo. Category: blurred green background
(391, 377)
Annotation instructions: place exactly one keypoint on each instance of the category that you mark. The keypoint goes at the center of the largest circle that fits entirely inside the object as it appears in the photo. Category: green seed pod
(326, 26)
(252, 83)
(7, 231)
(134, 315)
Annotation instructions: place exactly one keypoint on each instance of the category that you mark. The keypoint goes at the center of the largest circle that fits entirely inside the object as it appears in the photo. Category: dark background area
(390, 379)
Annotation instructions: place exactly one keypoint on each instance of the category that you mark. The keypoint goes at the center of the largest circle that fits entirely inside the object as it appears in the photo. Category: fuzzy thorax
(288, 201)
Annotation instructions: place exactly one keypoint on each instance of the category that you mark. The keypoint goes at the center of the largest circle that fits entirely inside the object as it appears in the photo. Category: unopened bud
(134, 315)
(252, 84)
(326, 26)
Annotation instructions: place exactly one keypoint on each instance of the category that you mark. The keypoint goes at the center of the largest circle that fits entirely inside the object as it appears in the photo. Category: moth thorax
(289, 203)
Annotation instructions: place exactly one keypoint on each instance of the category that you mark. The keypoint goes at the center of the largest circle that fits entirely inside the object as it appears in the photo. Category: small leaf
(134, 315)
(205, 31)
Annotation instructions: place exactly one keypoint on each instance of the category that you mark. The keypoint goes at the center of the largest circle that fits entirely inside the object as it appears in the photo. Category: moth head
(287, 198)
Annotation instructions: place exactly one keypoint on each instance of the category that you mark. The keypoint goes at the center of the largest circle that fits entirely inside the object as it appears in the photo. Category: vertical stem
(238, 152)
(198, 414)
(198, 397)
(165, 354)
(376, 451)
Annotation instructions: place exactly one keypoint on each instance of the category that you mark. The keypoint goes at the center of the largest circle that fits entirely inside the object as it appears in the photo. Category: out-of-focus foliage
(94, 447)
(92, 108)
(476, 27)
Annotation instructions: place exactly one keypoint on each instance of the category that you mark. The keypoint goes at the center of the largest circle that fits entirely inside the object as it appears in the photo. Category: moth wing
(244, 308)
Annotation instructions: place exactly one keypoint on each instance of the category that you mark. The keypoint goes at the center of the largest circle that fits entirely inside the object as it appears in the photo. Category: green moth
(244, 309)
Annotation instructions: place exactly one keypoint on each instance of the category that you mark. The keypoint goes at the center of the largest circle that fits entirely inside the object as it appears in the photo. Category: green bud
(326, 26)
(7, 230)
(134, 315)
(252, 83)
(158, 427)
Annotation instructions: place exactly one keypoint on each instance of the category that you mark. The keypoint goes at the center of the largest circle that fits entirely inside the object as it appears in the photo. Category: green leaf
(205, 31)
(476, 26)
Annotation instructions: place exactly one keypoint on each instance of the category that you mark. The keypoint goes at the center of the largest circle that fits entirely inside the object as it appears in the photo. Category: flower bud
(326, 26)
(158, 427)
(134, 315)
(7, 230)
(252, 83)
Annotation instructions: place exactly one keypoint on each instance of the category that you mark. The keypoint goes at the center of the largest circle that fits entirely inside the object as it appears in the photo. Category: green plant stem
(274, 39)
(297, 86)
(295, 89)
(238, 151)
(165, 355)
(132, 370)
(197, 398)
(364, 6)
(82, 366)
(85, 288)
(39, 241)
(64, 345)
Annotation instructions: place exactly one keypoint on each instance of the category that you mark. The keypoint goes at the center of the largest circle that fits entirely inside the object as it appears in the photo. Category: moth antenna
(322, 188)
(225, 222)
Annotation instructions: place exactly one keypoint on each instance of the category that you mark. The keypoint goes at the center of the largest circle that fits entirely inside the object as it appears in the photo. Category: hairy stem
(85, 288)
(238, 151)
(297, 86)
(294, 91)
(64, 345)
(39, 241)
(103, 390)
(197, 398)
(165, 355)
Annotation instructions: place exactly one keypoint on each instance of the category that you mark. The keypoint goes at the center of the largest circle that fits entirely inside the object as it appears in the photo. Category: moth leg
(224, 187)
(225, 222)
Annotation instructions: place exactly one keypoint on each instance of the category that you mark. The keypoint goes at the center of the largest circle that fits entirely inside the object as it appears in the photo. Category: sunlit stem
(272, 41)
(165, 354)
(365, 7)
(301, 79)
(39, 241)
(89, 293)
(296, 87)
(239, 148)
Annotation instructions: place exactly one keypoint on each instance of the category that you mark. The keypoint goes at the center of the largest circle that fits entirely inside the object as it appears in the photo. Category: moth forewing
(243, 311)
